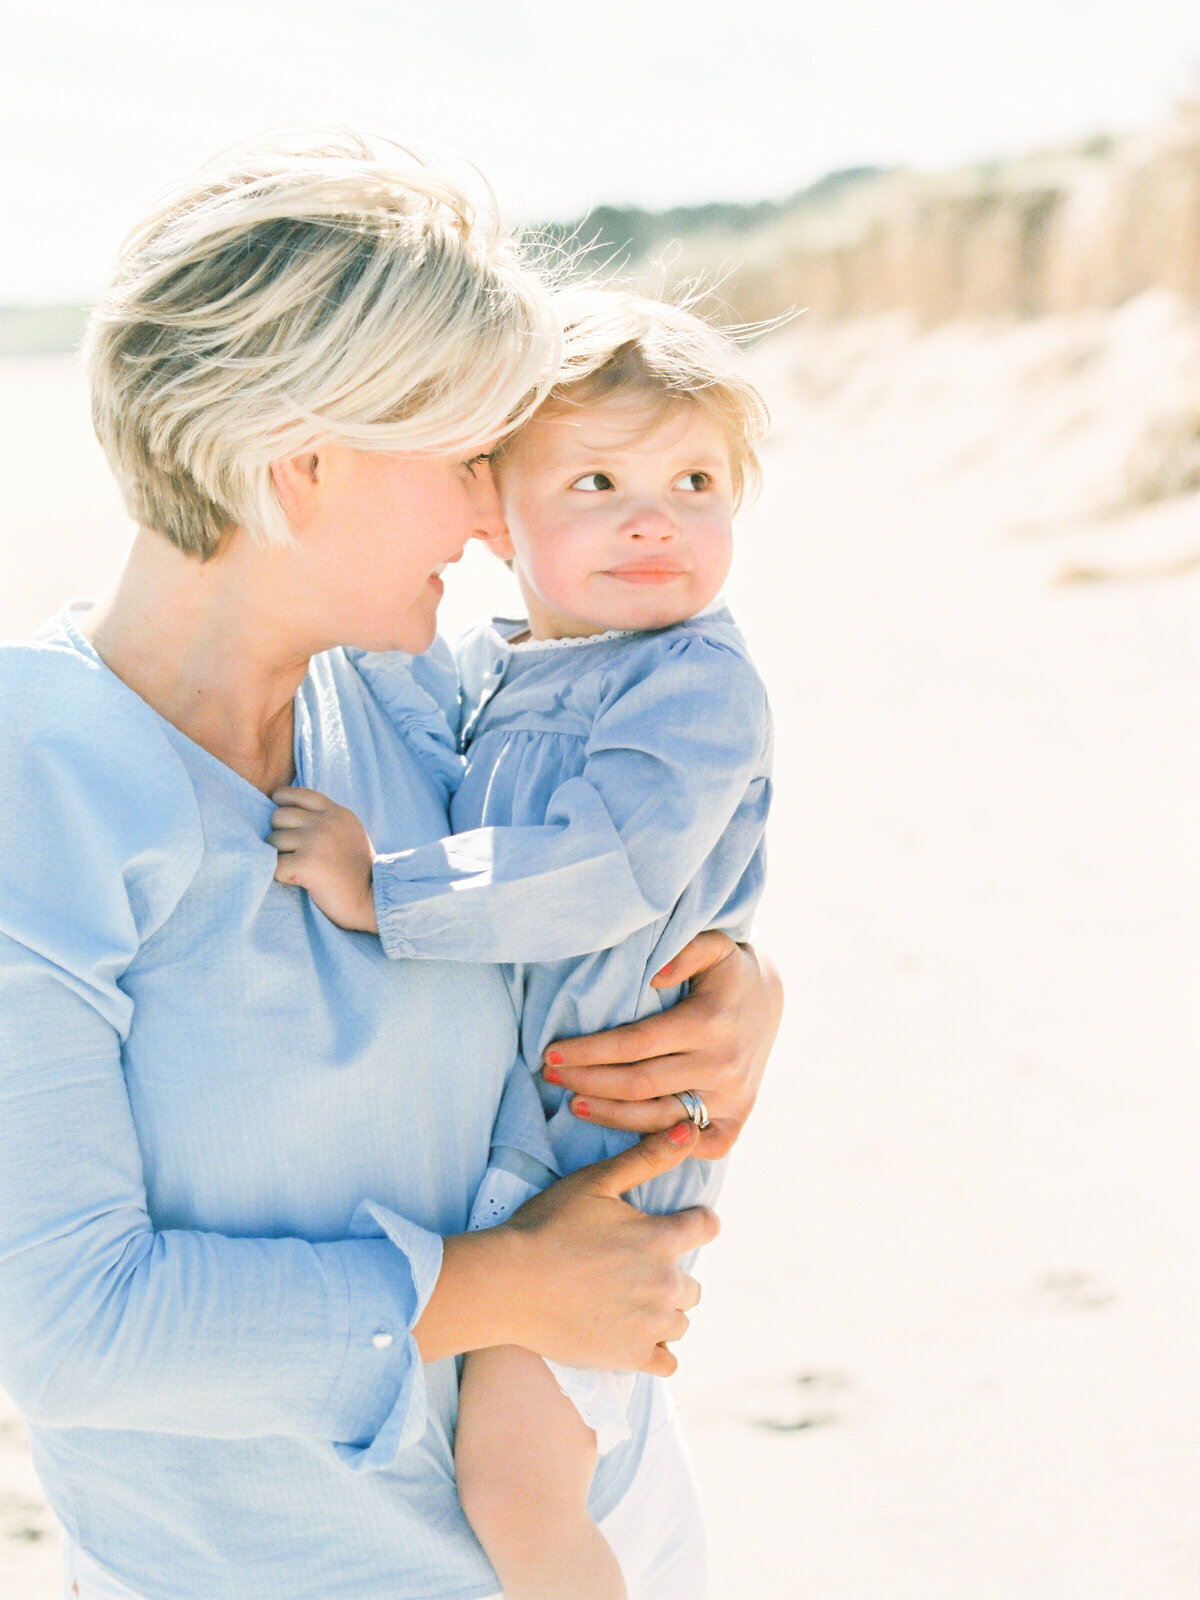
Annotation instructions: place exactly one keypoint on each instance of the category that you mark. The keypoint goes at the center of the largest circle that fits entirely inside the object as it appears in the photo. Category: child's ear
(499, 543)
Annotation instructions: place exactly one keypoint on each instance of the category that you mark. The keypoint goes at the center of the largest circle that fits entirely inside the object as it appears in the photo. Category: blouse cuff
(393, 1382)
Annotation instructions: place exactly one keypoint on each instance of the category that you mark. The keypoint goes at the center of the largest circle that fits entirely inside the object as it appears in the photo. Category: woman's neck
(210, 647)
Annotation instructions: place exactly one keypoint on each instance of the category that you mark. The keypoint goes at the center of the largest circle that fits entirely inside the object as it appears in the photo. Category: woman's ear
(295, 478)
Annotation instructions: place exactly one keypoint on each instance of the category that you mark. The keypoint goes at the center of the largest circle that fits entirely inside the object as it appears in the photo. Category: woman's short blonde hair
(306, 290)
(619, 342)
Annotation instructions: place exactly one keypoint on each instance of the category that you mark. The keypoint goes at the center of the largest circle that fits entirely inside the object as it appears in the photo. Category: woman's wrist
(473, 1302)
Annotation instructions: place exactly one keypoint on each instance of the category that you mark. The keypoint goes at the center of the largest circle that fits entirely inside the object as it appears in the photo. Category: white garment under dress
(656, 1529)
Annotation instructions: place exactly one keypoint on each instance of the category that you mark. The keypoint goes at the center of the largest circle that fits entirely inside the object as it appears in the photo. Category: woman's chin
(416, 633)
(412, 631)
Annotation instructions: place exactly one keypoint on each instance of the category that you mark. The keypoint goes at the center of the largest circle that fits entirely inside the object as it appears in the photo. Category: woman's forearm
(108, 1322)
(471, 1304)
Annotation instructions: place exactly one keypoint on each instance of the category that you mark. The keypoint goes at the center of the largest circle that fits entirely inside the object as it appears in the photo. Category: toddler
(611, 806)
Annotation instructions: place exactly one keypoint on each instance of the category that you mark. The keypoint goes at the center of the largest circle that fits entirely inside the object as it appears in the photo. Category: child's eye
(693, 482)
(476, 461)
(592, 482)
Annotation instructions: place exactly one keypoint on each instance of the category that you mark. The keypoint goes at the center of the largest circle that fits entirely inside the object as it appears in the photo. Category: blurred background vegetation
(1081, 226)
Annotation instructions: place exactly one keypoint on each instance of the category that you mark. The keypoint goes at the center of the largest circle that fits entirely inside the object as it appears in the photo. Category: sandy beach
(947, 1349)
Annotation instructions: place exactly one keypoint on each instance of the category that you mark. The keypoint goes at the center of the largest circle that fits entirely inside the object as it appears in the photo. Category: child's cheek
(562, 578)
(558, 560)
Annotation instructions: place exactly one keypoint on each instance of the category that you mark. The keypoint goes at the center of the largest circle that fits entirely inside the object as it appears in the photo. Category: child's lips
(646, 572)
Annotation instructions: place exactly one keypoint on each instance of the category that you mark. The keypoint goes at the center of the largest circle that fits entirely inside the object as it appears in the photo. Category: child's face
(619, 514)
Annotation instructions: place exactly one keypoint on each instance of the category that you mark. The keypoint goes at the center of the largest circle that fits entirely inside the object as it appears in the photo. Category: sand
(947, 1345)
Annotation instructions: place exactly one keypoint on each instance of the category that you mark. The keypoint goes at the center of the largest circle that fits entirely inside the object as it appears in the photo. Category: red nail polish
(553, 1058)
(680, 1133)
(663, 971)
(581, 1108)
(552, 1074)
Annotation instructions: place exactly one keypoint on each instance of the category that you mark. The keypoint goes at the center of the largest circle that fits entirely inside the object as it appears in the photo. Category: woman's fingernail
(680, 1133)
(552, 1074)
(581, 1108)
(553, 1058)
(663, 971)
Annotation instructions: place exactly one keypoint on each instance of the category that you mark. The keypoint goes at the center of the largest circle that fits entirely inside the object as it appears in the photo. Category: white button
(381, 1340)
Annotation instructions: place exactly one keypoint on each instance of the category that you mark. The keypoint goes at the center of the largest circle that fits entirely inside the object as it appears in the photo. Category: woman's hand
(576, 1274)
(715, 1042)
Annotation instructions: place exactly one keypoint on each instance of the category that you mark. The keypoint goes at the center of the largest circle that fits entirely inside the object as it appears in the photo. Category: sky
(103, 105)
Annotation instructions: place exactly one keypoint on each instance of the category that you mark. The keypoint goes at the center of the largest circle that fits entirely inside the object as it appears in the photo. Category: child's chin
(645, 618)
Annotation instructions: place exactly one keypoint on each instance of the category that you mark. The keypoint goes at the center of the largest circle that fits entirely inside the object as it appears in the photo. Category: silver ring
(696, 1109)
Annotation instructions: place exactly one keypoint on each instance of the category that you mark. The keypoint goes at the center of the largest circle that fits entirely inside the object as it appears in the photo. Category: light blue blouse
(616, 794)
(231, 1139)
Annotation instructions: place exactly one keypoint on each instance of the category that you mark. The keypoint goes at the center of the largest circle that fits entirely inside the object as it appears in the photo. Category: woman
(238, 1145)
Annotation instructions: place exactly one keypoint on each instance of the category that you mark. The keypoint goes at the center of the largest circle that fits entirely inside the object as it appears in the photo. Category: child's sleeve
(672, 756)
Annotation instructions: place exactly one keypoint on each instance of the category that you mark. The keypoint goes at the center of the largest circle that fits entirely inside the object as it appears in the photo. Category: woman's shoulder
(58, 698)
(419, 696)
(50, 658)
(100, 817)
(404, 685)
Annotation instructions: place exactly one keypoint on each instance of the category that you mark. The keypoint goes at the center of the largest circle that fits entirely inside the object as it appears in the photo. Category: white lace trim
(593, 638)
(575, 639)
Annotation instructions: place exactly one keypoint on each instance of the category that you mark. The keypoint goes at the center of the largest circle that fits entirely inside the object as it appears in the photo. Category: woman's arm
(108, 1322)
(715, 1041)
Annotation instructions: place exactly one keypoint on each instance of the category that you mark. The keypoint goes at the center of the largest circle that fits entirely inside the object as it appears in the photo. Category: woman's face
(375, 531)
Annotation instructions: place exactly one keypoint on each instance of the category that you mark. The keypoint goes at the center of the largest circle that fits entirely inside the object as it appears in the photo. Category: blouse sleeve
(106, 1322)
(671, 756)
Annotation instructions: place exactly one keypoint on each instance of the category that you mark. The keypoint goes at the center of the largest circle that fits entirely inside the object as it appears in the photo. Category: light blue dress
(231, 1139)
(613, 805)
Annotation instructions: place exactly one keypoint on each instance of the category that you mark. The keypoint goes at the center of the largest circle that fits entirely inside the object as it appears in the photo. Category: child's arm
(671, 758)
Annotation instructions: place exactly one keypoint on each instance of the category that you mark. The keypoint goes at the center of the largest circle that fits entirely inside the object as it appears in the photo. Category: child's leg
(525, 1460)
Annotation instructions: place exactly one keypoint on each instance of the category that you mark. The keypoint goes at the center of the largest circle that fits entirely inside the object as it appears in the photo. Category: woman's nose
(487, 519)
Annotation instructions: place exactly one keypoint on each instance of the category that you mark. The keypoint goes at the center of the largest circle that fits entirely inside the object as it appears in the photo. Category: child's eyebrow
(584, 451)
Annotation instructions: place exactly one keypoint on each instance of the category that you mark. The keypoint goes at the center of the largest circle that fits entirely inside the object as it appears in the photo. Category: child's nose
(649, 522)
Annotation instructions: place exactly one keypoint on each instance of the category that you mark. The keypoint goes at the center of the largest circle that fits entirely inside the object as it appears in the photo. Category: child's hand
(325, 849)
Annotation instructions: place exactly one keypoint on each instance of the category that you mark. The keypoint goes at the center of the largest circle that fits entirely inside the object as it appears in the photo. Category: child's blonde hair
(619, 342)
(312, 288)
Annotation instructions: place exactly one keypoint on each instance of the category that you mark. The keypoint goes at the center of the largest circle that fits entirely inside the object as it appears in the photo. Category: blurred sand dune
(1062, 230)
(948, 1344)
